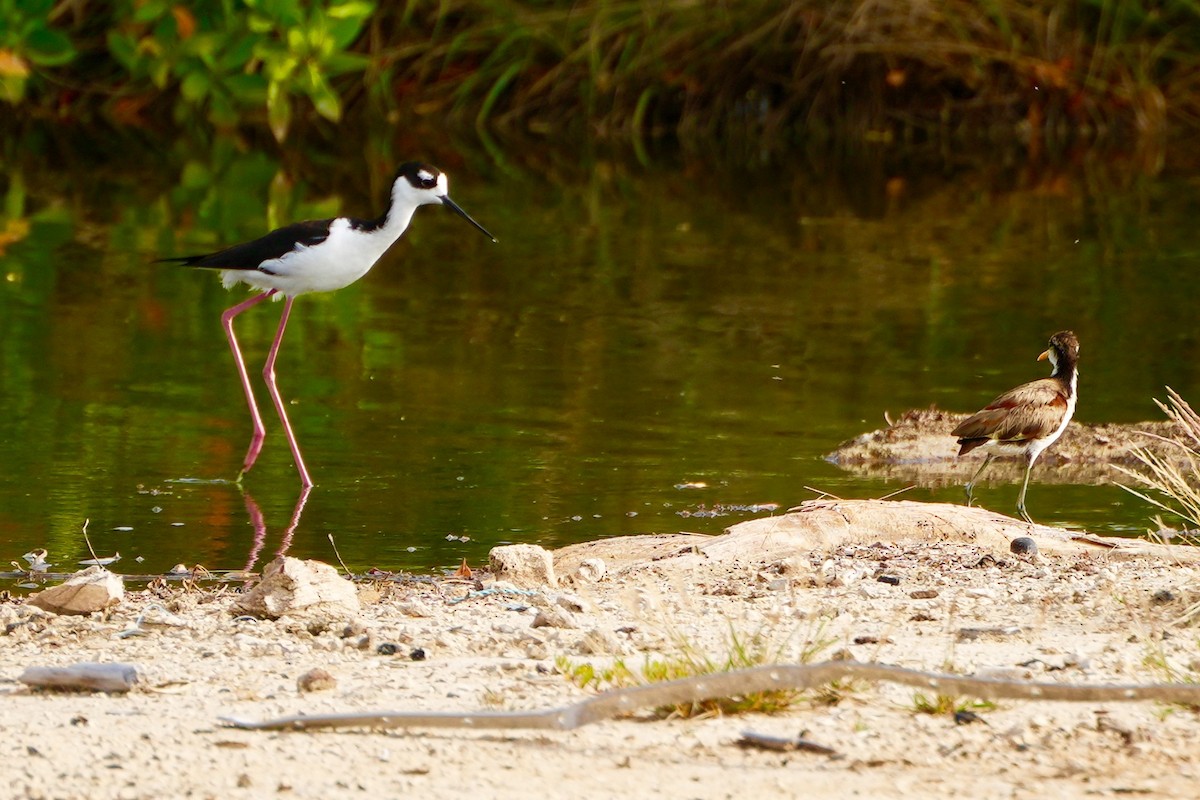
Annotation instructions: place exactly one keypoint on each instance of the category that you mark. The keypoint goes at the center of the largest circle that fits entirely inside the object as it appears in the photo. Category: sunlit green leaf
(324, 98)
(353, 9)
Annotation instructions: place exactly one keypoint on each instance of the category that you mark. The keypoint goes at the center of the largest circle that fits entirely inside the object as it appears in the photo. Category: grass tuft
(742, 652)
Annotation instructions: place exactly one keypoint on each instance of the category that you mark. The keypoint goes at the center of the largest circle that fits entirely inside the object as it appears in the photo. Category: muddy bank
(923, 586)
(918, 448)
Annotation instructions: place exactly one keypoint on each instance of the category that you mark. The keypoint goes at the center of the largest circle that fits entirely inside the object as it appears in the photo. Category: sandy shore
(1076, 613)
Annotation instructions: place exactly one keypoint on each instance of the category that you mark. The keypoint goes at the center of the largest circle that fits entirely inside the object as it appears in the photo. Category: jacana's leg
(260, 432)
(971, 483)
(269, 377)
(1021, 497)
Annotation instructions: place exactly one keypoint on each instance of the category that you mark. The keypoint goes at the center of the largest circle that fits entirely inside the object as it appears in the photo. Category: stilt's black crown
(420, 176)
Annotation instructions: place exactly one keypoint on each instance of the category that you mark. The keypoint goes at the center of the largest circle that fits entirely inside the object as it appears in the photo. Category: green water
(641, 326)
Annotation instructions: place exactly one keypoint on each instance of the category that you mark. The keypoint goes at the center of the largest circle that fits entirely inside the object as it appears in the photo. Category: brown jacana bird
(1029, 418)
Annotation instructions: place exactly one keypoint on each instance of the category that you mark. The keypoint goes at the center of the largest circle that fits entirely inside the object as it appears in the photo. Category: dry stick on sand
(726, 684)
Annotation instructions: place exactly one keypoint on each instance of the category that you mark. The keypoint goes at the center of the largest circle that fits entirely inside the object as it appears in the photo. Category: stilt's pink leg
(260, 432)
(269, 377)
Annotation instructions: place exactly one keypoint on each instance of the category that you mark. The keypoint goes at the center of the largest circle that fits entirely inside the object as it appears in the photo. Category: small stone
(573, 603)
(892, 580)
(554, 617)
(591, 570)
(1162, 597)
(1023, 546)
(417, 654)
(597, 642)
(387, 649)
(923, 594)
(316, 680)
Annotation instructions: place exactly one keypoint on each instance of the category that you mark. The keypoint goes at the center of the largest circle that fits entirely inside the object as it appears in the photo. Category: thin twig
(697, 688)
(88, 541)
(332, 544)
(898, 491)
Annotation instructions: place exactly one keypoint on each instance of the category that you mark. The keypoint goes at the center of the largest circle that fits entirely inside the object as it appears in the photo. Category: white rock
(291, 586)
(591, 570)
(524, 565)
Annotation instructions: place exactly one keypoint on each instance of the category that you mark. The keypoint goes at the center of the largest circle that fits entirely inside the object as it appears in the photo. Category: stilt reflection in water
(260, 526)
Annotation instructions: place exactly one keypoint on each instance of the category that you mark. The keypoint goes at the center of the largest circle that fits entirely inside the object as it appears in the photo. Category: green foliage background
(614, 68)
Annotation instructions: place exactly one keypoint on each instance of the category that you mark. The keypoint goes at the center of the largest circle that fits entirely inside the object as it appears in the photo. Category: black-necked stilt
(315, 256)
(1029, 418)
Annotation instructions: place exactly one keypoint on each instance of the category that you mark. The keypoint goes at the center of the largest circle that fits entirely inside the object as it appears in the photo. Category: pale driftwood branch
(82, 677)
(728, 684)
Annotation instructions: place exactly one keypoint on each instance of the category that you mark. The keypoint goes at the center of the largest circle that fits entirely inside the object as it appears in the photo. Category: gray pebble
(1023, 546)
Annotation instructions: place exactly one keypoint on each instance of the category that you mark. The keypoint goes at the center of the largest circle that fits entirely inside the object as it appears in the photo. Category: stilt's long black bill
(453, 206)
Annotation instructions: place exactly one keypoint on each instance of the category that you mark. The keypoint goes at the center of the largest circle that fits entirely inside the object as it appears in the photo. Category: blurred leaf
(150, 10)
(35, 9)
(12, 89)
(123, 48)
(195, 86)
(353, 9)
(247, 89)
(344, 31)
(341, 63)
(324, 98)
(12, 65)
(185, 23)
(48, 48)
(237, 53)
(279, 111)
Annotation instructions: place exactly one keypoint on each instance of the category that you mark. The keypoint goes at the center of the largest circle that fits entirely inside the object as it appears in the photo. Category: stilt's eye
(428, 181)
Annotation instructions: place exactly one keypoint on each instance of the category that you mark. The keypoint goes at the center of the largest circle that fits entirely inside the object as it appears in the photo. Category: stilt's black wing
(250, 255)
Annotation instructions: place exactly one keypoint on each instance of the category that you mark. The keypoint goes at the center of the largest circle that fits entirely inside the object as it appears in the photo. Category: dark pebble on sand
(1023, 546)
(1162, 597)
(387, 649)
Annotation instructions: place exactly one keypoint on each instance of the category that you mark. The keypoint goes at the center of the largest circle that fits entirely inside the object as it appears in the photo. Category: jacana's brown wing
(1026, 412)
